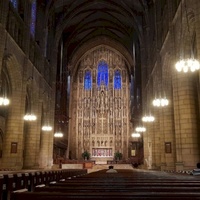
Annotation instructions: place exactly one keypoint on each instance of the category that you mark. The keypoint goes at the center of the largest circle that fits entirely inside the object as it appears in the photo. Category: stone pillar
(185, 114)
(13, 138)
(33, 131)
(3, 21)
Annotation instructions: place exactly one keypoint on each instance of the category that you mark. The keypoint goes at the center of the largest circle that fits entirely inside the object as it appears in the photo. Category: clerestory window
(33, 18)
(14, 3)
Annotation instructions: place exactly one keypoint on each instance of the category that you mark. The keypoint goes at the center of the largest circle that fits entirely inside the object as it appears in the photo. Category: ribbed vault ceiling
(78, 21)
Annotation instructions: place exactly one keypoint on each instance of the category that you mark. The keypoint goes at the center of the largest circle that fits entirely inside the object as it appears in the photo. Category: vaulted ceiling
(78, 21)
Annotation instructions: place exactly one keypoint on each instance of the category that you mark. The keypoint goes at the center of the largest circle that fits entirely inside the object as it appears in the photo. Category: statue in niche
(105, 143)
(111, 127)
(116, 112)
(94, 76)
(80, 128)
(111, 76)
(120, 103)
(123, 75)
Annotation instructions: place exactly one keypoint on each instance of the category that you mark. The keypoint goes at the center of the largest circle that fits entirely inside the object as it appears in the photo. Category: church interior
(103, 81)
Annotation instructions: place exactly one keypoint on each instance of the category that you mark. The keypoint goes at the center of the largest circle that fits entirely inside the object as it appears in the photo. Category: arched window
(102, 76)
(14, 3)
(87, 80)
(33, 18)
(117, 80)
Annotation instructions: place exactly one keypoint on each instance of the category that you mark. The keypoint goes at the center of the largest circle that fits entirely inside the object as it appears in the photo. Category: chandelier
(189, 64)
(140, 129)
(58, 134)
(47, 128)
(30, 117)
(4, 101)
(147, 118)
(160, 102)
(186, 65)
(135, 135)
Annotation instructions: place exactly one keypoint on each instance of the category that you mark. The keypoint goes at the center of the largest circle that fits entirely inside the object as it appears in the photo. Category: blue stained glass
(102, 76)
(117, 80)
(14, 3)
(87, 80)
(33, 17)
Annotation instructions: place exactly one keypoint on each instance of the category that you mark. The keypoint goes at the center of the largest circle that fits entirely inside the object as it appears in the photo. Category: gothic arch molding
(100, 112)
(14, 72)
(95, 43)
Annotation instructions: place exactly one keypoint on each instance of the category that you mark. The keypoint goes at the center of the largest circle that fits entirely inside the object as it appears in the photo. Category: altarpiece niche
(100, 99)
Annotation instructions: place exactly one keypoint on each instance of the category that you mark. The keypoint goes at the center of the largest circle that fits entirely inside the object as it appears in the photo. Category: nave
(118, 184)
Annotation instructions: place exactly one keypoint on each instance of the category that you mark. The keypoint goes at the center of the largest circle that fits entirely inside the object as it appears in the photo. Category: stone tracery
(102, 115)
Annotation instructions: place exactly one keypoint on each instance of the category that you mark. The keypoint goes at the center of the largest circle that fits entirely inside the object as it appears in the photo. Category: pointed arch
(87, 80)
(117, 80)
(102, 74)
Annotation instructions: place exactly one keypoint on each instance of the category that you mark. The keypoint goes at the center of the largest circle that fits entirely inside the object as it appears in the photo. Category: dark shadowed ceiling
(78, 21)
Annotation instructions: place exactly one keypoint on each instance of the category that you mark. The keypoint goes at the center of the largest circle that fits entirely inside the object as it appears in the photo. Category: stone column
(185, 115)
(13, 137)
(33, 131)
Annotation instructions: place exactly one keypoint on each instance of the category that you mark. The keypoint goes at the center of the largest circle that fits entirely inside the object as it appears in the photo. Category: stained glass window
(102, 76)
(33, 17)
(117, 80)
(87, 80)
(14, 3)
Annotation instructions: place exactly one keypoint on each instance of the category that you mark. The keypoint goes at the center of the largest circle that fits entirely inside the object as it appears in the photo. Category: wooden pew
(123, 185)
(105, 195)
(86, 189)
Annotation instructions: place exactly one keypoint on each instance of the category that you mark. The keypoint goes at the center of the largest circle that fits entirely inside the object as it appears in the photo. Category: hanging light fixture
(58, 134)
(135, 135)
(189, 64)
(4, 101)
(140, 129)
(46, 127)
(160, 102)
(29, 116)
(148, 118)
(186, 65)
